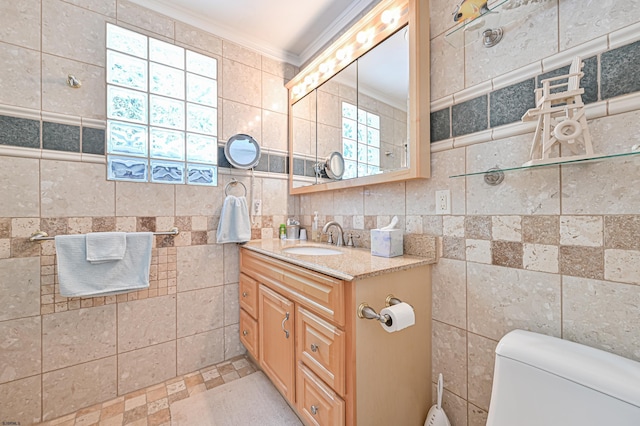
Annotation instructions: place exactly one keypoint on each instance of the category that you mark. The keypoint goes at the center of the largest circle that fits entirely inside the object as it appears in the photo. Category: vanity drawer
(317, 404)
(321, 347)
(249, 333)
(322, 294)
(249, 295)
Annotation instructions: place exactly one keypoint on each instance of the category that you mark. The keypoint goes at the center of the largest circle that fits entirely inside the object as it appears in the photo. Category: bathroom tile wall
(61, 354)
(553, 250)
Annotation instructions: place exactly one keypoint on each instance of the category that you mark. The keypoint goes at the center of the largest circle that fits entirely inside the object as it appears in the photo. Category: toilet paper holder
(367, 312)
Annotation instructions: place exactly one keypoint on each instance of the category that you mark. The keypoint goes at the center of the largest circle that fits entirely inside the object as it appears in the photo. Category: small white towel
(79, 277)
(106, 246)
(234, 225)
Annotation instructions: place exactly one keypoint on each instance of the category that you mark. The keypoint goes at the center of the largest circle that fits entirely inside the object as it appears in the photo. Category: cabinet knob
(245, 332)
(245, 294)
(314, 347)
(314, 410)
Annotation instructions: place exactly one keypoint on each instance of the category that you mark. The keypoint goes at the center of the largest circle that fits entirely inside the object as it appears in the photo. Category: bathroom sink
(311, 251)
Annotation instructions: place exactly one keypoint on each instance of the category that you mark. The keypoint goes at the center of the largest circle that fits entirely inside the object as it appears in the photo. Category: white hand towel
(79, 277)
(106, 246)
(234, 225)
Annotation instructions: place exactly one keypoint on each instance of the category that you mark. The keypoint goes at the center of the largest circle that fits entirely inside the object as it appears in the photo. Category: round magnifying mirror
(242, 151)
(334, 167)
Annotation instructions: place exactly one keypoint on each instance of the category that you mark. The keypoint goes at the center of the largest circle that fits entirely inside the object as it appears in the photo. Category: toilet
(546, 381)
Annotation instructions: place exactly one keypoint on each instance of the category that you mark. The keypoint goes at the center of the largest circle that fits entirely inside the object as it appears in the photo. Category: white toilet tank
(546, 381)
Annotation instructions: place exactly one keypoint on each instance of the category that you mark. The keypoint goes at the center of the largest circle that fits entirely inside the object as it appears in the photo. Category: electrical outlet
(257, 208)
(443, 202)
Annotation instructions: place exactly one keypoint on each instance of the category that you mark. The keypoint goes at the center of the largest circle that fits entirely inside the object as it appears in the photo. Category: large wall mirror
(363, 104)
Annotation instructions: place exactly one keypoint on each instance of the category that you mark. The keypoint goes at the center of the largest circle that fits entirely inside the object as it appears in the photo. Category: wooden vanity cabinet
(334, 368)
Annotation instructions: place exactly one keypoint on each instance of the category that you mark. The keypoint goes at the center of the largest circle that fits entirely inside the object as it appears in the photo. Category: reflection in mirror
(334, 166)
(303, 131)
(242, 151)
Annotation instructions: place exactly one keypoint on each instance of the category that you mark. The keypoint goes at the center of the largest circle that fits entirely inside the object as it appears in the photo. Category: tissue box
(386, 243)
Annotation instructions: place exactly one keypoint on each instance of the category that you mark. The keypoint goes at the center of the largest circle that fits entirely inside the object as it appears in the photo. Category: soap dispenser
(315, 235)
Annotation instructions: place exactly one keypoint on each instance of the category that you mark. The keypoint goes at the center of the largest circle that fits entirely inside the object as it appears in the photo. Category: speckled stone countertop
(353, 263)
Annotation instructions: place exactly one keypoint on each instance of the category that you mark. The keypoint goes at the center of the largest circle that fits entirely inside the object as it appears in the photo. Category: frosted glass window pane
(348, 129)
(373, 137)
(166, 112)
(202, 90)
(126, 41)
(122, 168)
(350, 169)
(167, 172)
(373, 120)
(166, 81)
(126, 70)
(203, 149)
(362, 170)
(202, 119)
(362, 133)
(166, 53)
(373, 155)
(349, 111)
(199, 174)
(362, 153)
(167, 144)
(126, 104)
(362, 116)
(201, 64)
(373, 170)
(349, 149)
(125, 138)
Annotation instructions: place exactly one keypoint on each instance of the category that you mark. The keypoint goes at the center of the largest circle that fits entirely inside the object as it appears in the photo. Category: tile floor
(150, 406)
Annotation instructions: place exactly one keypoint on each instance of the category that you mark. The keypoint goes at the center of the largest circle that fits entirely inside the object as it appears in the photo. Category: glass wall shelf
(560, 162)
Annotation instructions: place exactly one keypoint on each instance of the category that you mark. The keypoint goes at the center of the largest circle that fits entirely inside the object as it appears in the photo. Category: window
(162, 116)
(360, 141)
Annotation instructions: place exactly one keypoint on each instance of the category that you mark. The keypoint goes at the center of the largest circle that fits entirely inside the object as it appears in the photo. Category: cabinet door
(249, 295)
(249, 333)
(318, 404)
(275, 329)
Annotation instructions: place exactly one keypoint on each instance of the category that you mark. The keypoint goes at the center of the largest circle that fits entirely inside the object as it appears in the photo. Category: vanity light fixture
(381, 22)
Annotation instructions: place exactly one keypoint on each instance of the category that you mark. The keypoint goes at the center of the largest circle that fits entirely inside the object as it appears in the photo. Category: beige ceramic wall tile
(199, 39)
(231, 263)
(454, 406)
(146, 322)
(506, 228)
(449, 281)
(21, 401)
(67, 390)
(447, 67)
(540, 257)
(57, 96)
(84, 32)
(281, 69)
(128, 224)
(193, 200)
(602, 314)
(240, 118)
(580, 24)
(19, 190)
(144, 199)
(200, 310)
(231, 304)
(502, 299)
(514, 195)
(21, 350)
(144, 18)
(19, 287)
(622, 232)
(232, 345)
(14, 83)
(413, 224)
(104, 7)
(348, 201)
(274, 131)
(241, 83)
(5, 248)
(24, 227)
(533, 35)
(385, 199)
(200, 267)
(478, 251)
(581, 231)
(622, 265)
(274, 95)
(75, 189)
(274, 196)
(145, 367)
(20, 24)
(453, 226)
(477, 416)
(449, 352)
(80, 225)
(541, 229)
(77, 336)
(200, 350)
(481, 362)
(241, 54)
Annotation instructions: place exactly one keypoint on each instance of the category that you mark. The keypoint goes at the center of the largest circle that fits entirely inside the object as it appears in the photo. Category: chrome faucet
(325, 230)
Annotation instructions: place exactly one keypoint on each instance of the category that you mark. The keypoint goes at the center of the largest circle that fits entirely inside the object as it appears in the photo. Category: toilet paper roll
(401, 315)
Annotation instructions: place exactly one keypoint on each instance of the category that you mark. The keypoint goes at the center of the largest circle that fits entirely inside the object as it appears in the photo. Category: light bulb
(362, 37)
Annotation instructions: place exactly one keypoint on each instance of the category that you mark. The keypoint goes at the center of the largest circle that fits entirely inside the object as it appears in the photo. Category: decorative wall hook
(73, 82)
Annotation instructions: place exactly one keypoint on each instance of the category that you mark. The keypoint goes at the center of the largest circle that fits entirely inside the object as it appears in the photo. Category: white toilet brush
(436, 415)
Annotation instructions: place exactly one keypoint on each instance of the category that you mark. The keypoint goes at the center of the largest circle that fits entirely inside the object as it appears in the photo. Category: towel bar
(234, 182)
(43, 236)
